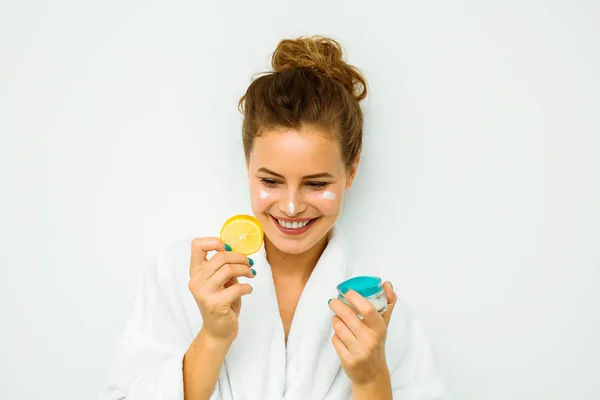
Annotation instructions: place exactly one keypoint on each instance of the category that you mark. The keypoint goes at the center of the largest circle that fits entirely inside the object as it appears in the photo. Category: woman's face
(297, 184)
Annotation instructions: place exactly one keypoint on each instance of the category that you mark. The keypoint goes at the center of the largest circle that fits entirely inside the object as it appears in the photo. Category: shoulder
(167, 283)
(409, 353)
(401, 322)
(410, 358)
(170, 263)
(175, 252)
(406, 335)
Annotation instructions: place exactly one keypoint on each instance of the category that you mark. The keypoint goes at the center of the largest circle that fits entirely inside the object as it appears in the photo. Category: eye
(317, 185)
(269, 182)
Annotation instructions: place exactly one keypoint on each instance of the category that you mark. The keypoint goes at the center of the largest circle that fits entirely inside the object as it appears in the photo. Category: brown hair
(310, 84)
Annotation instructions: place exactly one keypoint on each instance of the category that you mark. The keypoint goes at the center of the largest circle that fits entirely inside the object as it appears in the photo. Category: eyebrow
(313, 176)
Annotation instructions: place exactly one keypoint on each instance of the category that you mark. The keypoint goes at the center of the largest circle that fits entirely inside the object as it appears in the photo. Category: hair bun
(323, 54)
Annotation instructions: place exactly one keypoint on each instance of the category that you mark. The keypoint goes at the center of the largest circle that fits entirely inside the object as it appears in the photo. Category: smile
(293, 227)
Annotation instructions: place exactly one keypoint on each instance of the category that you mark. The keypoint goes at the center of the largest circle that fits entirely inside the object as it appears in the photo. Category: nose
(292, 204)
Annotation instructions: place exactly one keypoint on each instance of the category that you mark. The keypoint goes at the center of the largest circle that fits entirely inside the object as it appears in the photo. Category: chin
(290, 248)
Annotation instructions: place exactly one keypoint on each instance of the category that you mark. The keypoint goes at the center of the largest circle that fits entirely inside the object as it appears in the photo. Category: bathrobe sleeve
(147, 363)
(411, 360)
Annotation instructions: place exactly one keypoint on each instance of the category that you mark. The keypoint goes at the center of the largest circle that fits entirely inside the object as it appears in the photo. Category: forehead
(291, 152)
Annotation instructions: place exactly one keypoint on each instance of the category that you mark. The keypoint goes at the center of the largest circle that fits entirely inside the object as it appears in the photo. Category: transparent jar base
(379, 301)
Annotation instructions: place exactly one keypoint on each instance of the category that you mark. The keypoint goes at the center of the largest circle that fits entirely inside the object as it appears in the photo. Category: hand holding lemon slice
(243, 233)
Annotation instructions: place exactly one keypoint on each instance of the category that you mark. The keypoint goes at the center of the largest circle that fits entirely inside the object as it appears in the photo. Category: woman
(191, 338)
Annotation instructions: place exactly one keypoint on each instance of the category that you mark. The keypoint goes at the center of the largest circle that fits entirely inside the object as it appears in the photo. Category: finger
(349, 317)
(389, 293)
(231, 282)
(233, 293)
(392, 298)
(341, 349)
(201, 247)
(344, 333)
(371, 317)
(210, 267)
(226, 273)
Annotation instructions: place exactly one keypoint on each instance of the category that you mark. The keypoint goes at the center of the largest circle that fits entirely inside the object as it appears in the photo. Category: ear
(352, 173)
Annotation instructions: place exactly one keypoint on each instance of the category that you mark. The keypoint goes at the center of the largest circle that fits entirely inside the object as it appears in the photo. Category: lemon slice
(243, 233)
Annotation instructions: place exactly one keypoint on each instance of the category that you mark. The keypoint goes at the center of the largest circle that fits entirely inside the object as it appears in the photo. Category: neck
(296, 267)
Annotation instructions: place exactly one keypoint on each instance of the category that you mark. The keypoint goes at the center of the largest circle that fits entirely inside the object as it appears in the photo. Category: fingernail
(227, 247)
(391, 285)
(253, 271)
(329, 301)
(344, 289)
(251, 261)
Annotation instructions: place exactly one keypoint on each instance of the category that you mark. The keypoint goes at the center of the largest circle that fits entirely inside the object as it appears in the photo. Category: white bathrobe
(259, 365)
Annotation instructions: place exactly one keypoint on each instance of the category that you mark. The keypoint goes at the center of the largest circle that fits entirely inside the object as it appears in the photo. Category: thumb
(391, 302)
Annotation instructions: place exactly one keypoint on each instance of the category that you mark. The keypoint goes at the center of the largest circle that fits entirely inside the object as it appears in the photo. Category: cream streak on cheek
(329, 196)
(263, 195)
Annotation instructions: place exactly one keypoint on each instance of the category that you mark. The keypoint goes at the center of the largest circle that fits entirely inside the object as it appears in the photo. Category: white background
(479, 194)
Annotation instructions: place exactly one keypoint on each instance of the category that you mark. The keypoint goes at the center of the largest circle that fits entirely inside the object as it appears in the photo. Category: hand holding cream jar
(369, 287)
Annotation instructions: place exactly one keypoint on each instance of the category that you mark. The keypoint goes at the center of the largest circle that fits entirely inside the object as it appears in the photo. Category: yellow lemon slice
(243, 233)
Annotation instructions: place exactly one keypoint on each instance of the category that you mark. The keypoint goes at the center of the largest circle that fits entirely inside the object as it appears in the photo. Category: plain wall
(478, 194)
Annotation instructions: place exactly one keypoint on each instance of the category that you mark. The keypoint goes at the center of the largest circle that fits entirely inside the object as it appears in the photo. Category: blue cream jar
(369, 287)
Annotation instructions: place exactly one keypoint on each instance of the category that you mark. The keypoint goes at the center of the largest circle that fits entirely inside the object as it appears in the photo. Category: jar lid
(366, 286)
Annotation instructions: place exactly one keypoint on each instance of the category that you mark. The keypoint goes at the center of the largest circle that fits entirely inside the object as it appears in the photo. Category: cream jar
(369, 287)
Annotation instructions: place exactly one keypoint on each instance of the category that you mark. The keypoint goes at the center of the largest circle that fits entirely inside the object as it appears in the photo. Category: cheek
(327, 202)
(262, 198)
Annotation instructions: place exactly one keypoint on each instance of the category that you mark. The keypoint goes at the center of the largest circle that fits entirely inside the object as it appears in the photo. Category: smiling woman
(189, 336)
(296, 168)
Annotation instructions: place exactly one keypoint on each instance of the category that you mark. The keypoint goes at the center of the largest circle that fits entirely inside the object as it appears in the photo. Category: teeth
(293, 225)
